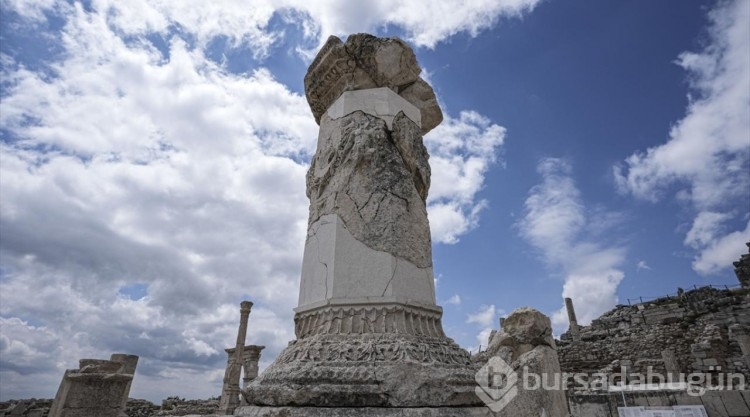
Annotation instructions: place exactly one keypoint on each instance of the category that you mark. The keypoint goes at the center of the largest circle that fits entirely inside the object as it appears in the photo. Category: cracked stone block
(338, 268)
(99, 388)
(379, 192)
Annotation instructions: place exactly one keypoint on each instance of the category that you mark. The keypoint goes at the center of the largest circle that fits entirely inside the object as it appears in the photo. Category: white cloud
(483, 339)
(485, 316)
(131, 167)
(455, 300)
(557, 223)
(642, 265)
(707, 158)
(461, 152)
(722, 251)
(128, 164)
(425, 24)
(706, 226)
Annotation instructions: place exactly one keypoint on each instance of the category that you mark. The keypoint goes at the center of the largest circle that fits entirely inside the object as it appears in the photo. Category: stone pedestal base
(256, 411)
(368, 370)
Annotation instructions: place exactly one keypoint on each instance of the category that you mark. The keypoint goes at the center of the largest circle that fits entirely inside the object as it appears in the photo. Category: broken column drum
(369, 332)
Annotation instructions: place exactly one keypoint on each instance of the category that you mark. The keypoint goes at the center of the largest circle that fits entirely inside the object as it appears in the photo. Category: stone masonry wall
(703, 328)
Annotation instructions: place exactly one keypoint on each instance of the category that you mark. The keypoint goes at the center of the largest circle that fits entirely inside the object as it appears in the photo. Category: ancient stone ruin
(98, 388)
(704, 330)
(525, 343)
(230, 390)
(369, 334)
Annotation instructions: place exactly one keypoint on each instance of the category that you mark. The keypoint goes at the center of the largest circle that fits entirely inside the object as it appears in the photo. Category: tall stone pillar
(230, 391)
(250, 359)
(574, 329)
(369, 332)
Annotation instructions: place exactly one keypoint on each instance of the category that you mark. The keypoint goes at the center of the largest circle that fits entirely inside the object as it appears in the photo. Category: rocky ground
(172, 406)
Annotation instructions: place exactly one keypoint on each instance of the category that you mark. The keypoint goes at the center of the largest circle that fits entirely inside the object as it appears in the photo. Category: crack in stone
(317, 250)
(393, 275)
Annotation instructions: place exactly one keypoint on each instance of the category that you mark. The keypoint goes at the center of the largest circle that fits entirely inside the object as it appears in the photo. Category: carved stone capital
(364, 62)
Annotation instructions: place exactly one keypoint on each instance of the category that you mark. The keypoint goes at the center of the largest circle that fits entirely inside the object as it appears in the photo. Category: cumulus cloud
(722, 251)
(461, 151)
(485, 316)
(424, 24)
(132, 167)
(706, 160)
(557, 223)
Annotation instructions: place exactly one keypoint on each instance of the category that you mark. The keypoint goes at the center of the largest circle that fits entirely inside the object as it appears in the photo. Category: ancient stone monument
(369, 332)
(230, 391)
(99, 388)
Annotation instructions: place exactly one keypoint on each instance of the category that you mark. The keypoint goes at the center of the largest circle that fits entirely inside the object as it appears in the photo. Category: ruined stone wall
(703, 328)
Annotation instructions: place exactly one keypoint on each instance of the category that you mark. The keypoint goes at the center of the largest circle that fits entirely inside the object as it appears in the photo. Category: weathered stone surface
(230, 391)
(382, 103)
(525, 345)
(367, 62)
(369, 318)
(359, 174)
(339, 269)
(523, 330)
(541, 361)
(421, 95)
(368, 370)
(254, 411)
(701, 327)
(98, 388)
(369, 332)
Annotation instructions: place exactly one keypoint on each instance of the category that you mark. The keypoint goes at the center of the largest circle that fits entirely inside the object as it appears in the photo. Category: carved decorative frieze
(369, 319)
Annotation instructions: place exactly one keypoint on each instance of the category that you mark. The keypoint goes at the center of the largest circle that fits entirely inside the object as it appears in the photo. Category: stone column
(230, 391)
(574, 329)
(368, 329)
(250, 364)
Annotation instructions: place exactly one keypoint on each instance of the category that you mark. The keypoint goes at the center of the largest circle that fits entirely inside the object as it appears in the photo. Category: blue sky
(152, 162)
